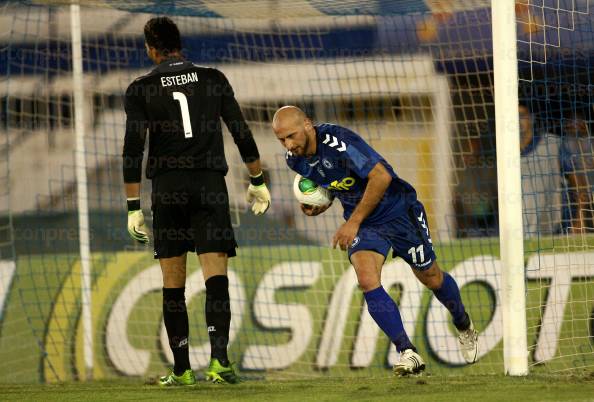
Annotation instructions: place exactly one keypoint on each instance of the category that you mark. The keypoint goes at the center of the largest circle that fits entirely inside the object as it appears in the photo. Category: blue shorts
(408, 237)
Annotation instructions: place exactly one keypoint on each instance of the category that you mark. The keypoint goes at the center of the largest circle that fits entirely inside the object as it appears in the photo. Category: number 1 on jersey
(185, 112)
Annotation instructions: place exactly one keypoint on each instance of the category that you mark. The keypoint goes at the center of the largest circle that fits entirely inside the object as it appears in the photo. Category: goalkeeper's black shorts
(191, 213)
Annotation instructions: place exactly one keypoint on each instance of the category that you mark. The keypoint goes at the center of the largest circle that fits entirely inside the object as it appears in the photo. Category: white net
(414, 79)
(555, 41)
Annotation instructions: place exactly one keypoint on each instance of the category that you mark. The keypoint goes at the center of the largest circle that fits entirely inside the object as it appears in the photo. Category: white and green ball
(310, 193)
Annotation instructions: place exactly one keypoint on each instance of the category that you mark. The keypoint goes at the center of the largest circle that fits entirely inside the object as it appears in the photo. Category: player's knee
(433, 283)
(432, 278)
(368, 282)
(174, 277)
(174, 281)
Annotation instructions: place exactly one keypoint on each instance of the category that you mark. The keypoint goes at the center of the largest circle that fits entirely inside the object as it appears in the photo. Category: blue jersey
(342, 163)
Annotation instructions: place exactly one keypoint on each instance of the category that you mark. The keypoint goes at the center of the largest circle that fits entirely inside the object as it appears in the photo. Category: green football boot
(220, 374)
(172, 380)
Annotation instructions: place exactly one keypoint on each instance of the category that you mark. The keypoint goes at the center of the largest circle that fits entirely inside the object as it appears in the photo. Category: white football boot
(410, 363)
(468, 340)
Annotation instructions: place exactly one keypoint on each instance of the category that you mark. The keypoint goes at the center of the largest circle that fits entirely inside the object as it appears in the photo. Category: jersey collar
(172, 64)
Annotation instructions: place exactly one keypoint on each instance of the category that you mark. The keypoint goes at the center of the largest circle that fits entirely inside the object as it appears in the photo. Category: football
(309, 193)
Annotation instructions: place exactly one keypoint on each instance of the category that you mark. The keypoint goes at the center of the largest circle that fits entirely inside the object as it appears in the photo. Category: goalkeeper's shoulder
(136, 87)
(210, 71)
(138, 83)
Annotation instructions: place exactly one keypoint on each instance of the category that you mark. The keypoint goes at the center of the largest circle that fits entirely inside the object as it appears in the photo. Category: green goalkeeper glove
(258, 195)
(136, 226)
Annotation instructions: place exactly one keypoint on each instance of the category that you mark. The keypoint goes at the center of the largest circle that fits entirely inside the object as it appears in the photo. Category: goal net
(413, 78)
(556, 96)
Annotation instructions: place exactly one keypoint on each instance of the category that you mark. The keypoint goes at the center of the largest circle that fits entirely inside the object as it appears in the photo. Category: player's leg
(217, 308)
(215, 243)
(367, 254)
(416, 248)
(175, 316)
(381, 307)
(446, 290)
(171, 245)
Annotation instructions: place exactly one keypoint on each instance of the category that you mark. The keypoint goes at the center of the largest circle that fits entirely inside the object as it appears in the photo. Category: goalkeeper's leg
(175, 316)
(217, 310)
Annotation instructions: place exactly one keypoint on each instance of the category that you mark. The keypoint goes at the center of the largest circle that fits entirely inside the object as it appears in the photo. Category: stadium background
(412, 77)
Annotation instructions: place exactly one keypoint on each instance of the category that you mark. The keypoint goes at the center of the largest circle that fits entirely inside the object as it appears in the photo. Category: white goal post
(513, 298)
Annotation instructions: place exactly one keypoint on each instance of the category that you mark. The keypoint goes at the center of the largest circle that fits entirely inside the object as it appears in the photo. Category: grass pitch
(482, 388)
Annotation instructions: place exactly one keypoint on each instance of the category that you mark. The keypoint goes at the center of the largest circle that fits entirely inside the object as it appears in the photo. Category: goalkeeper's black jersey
(181, 106)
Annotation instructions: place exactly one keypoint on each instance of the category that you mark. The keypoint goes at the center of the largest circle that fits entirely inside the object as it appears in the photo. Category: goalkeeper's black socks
(218, 316)
(175, 316)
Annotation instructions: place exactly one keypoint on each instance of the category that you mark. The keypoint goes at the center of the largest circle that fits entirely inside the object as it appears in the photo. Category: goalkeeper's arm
(257, 193)
(136, 125)
(136, 227)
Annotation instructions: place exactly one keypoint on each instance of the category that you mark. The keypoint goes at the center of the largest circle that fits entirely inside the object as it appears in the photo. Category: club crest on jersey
(342, 185)
(327, 164)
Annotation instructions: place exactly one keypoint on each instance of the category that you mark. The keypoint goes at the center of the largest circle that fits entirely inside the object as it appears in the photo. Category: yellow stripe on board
(58, 336)
(60, 364)
(111, 277)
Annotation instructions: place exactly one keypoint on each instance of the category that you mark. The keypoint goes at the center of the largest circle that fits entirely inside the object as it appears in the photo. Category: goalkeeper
(382, 213)
(181, 106)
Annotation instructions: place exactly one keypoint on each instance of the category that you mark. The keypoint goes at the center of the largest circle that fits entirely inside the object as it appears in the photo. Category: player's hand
(311, 210)
(136, 226)
(259, 197)
(345, 235)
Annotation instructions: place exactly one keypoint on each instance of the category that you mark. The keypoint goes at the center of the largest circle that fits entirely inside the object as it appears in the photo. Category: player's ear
(150, 51)
(307, 124)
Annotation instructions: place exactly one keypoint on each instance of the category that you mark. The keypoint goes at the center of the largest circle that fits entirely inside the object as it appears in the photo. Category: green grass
(387, 388)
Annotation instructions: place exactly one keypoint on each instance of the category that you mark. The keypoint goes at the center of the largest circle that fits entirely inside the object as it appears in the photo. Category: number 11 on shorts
(413, 252)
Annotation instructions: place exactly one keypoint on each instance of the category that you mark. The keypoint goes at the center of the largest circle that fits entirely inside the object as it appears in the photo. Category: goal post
(513, 290)
(82, 189)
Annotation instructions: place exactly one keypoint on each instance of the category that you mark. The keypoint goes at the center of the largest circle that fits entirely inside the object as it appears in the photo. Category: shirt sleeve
(359, 156)
(233, 118)
(136, 126)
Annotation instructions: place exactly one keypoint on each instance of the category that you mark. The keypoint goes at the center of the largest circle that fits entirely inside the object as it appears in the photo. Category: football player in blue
(381, 212)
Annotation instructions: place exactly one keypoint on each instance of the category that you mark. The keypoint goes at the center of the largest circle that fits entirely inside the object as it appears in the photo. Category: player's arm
(136, 125)
(379, 180)
(257, 193)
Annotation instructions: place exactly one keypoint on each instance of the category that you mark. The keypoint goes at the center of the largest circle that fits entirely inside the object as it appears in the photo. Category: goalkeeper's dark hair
(162, 34)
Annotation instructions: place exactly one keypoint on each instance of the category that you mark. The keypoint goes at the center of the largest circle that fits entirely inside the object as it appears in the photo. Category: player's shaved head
(288, 116)
(294, 130)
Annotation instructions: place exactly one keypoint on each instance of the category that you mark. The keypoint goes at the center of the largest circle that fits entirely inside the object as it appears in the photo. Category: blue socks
(449, 296)
(384, 311)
